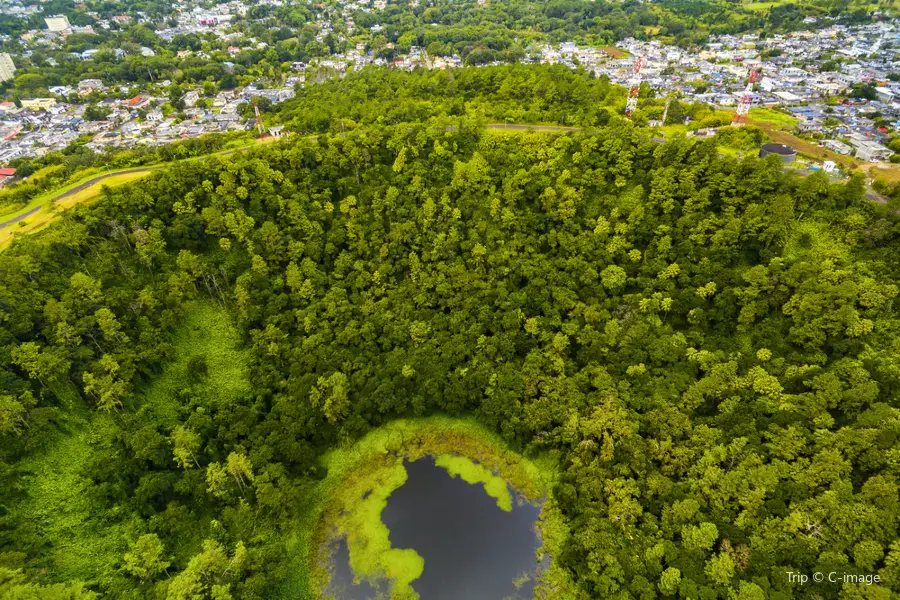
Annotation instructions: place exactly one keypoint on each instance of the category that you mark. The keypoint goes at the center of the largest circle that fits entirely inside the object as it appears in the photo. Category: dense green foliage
(528, 94)
(707, 347)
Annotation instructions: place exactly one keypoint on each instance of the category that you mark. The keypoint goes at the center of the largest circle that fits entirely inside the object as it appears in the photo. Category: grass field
(760, 6)
(888, 175)
(615, 52)
(729, 151)
(51, 210)
(670, 131)
(773, 117)
(83, 543)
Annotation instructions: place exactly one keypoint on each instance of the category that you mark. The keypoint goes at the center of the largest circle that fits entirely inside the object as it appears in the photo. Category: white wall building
(7, 67)
(57, 23)
(873, 152)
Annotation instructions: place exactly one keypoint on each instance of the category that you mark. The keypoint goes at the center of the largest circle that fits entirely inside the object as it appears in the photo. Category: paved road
(18, 218)
(100, 178)
(75, 190)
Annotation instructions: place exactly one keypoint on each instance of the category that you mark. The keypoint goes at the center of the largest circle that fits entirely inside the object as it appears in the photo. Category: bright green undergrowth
(349, 501)
(471, 472)
(207, 332)
(59, 500)
(88, 543)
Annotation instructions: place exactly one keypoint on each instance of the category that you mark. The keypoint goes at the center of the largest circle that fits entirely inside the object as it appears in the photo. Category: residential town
(803, 73)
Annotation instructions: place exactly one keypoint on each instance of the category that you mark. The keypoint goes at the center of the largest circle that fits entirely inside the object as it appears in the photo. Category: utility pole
(666, 109)
(259, 123)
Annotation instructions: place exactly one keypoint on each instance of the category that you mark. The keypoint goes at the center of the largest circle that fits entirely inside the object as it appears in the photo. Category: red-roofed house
(138, 102)
(6, 175)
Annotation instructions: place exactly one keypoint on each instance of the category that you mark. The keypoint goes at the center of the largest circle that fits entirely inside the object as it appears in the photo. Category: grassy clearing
(84, 544)
(207, 332)
(774, 117)
(670, 131)
(760, 6)
(93, 192)
(614, 52)
(731, 151)
(887, 172)
(362, 476)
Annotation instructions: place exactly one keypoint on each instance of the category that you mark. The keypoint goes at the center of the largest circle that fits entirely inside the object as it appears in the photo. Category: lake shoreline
(348, 502)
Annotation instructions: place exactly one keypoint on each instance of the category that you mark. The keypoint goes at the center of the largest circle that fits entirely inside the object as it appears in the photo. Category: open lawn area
(616, 52)
(670, 131)
(760, 6)
(774, 117)
(888, 174)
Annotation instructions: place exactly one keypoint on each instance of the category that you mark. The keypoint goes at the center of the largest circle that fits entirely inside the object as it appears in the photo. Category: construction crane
(635, 87)
(259, 123)
(740, 115)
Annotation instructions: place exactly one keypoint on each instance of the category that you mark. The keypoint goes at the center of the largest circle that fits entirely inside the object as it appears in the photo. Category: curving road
(100, 178)
(75, 190)
(18, 218)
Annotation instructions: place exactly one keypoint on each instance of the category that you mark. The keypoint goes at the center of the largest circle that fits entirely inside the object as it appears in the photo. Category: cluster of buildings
(802, 73)
(44, 125)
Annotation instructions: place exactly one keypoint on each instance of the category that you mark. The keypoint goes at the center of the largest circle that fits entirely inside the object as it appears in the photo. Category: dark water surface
(472, 549)
(340, 578)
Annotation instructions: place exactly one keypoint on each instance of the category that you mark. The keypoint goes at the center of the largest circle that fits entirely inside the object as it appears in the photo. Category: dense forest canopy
(525, 94)
(707, 347)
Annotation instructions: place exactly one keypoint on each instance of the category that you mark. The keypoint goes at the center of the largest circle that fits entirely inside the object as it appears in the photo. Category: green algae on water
(371, 554)
(474, 473)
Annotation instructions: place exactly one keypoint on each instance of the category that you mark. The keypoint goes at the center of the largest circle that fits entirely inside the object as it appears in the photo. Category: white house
(873, 152)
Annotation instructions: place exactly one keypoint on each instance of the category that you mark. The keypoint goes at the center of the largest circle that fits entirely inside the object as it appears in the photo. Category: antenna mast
(740, 115)
(635, 88)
